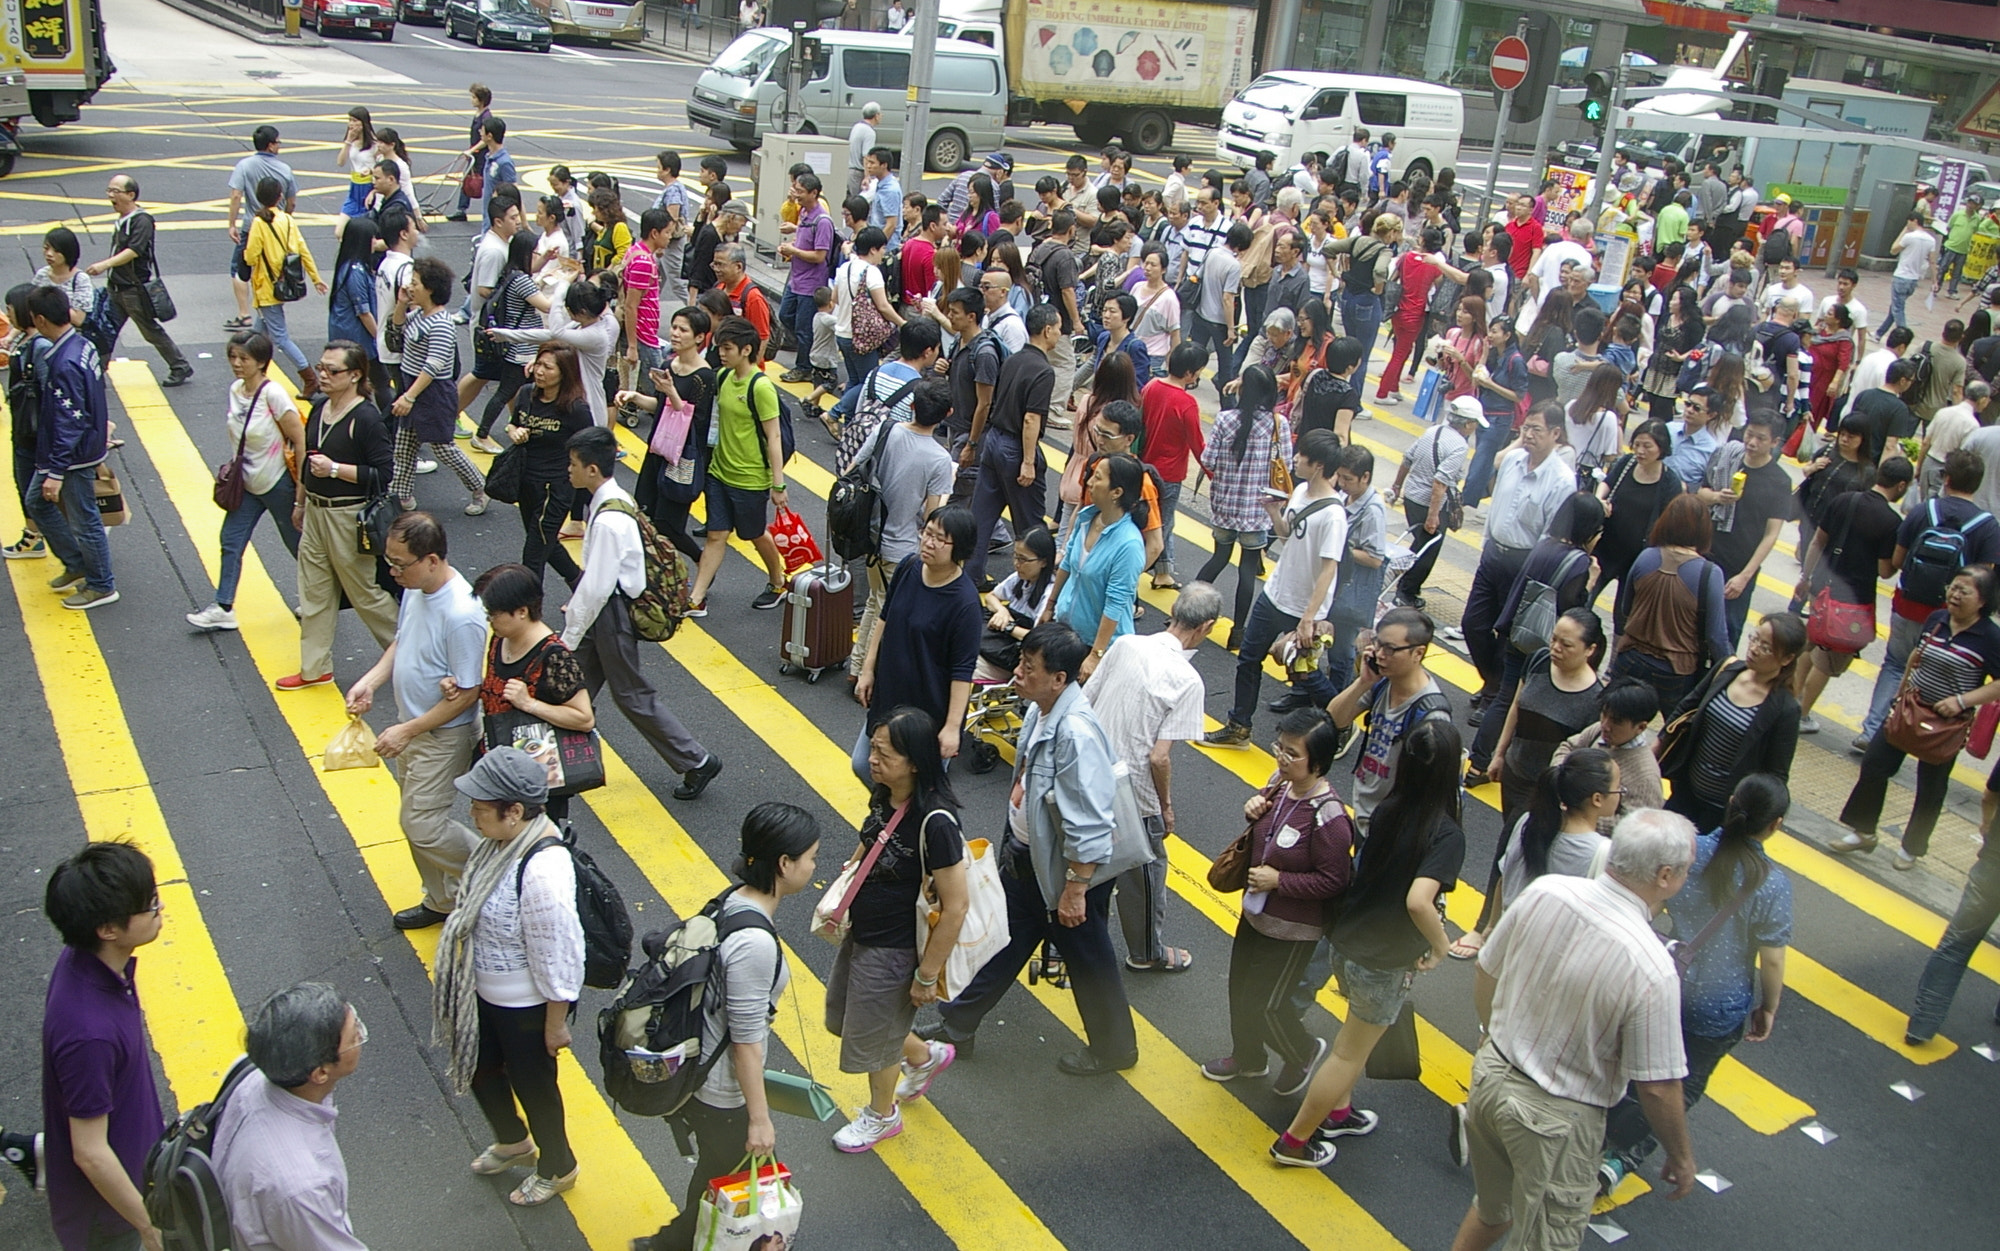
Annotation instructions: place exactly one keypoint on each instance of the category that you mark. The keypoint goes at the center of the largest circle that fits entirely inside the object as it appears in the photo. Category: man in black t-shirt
(132, 264)
(1855, 549)
(1011, 468)
(1888, 417)
(1749, 498)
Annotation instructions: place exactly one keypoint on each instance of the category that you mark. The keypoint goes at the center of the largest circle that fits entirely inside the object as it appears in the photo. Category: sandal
(1467, 947)
(1172, 584)
(236, 323)
(493, 1160)
(1177, 960)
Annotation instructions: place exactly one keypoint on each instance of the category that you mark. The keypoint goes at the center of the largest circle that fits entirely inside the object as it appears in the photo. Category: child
(825, 355)
(1623, 350)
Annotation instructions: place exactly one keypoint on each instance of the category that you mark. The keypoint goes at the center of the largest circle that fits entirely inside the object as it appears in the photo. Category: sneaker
(1317, 1153)
(798, 373)
(771, 598)
(299, 681)
(482, 444)
(455, 217)
(1359, 1121)
(213, 617)
(178, 378)
(1905, 861)
(1229, 1068)
(915, 1082)
(1229, 735)
(868, 1128)
(935, 1032)
(460, 318)
(466, 427)
(1451, 633)
(537, 1189)
(66, 581)
(1609, 1173)
(697, 610)
(1344, 741)
(1394, 397)
(86, 597)
(426, 465)
(1293, 1077)
(1808, 724)
(24, 1152)
(30, 546)
(1455, 1143)
(477, 508)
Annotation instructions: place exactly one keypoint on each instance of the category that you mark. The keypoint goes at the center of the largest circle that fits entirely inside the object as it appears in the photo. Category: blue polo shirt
(95, 1062)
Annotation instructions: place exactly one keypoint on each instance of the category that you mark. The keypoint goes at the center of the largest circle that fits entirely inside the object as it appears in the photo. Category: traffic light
(1596, 98)
(783, 13)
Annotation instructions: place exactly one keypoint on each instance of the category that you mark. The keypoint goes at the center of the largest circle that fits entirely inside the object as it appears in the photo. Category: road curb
(256, 27)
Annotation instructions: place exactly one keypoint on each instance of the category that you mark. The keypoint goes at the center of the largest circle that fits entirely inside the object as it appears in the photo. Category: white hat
(1466, 408)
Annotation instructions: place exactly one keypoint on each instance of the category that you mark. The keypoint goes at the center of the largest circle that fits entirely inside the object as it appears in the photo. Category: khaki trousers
(439, 845)
(332, 562)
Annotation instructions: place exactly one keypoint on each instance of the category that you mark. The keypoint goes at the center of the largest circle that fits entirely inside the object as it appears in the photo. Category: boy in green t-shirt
(746, 467)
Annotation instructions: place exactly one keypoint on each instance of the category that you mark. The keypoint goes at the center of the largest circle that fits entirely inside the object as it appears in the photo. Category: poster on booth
(1179, 54)
(1571, 192)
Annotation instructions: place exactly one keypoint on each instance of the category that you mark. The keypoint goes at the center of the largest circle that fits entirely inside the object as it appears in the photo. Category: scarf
(454, 996)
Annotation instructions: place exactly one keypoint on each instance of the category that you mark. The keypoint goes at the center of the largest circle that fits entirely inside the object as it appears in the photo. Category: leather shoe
(420, 917)
(696, 780)
(936, 1032)
(1086, 1064)
(1288, 702)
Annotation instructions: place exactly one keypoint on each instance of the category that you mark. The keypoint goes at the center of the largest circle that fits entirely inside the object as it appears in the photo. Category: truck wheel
(1092, 131)
(1418, 166)
(946, 153)
(1149, 131)
(6, 164)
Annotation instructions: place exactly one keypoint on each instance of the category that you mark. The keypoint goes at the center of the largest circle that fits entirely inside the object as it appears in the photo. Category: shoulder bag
(984, 933)
(871, 329)
(830, 919)
(1675, 748)
(574, 758)
(1917, 729)
(1230, 870)
(506, 476)
(1684, 953)
(1837, 625)
(155, 288)
(229, 474)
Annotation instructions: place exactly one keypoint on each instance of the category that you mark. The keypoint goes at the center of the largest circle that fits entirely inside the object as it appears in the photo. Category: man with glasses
(440, 642)
(100, 1109)
(1398, 694)
(275, 1155)
(132, 264)
(1529, 483)
(1001, 318)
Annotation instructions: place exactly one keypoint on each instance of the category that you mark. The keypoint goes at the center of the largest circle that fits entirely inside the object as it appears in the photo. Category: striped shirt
(430, 345)
(1199, 237)
(1951, 665)
(1588, 998)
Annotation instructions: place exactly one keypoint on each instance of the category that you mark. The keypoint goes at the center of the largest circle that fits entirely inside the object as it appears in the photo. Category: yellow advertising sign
(1128, 52)
(47, 37)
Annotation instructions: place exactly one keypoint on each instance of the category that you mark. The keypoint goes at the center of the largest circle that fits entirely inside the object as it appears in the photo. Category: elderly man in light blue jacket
(1057, 862)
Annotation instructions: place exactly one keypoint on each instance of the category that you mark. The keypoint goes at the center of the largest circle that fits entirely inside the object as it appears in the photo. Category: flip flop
(1464, 950)
(1177, 960)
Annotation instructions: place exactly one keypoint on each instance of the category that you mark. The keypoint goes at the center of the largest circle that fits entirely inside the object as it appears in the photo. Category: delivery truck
(52, 61)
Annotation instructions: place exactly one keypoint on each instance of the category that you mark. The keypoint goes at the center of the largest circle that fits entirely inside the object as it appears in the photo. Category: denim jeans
(1903, 636)
(1978, 907)
(1626, 1131)
(237, 527)
(1479, 478)
(72, 526)
(1951, 269)
(796, 311)
(271, 324)
(1266, 623)
(858, 363)
(1900, 290)
(1214, 336)
(1361, 316)
(1170, 498)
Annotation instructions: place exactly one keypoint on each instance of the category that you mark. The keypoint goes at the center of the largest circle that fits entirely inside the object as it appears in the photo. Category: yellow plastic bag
(352, 748)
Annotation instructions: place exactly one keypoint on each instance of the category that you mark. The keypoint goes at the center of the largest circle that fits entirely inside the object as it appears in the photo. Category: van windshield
(749, 56)
(1279, 94)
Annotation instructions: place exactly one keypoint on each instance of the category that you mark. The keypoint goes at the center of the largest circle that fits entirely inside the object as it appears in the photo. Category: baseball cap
(1001, 161)
(738, 207)
(1466, 408)
(506, 775)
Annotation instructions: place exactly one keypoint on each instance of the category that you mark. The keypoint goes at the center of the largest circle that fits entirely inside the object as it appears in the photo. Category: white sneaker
(867, 1129)
(914, 1082)
(213, 617)
(425, 465)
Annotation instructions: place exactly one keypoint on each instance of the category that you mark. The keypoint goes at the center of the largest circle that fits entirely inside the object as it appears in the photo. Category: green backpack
(657, 613)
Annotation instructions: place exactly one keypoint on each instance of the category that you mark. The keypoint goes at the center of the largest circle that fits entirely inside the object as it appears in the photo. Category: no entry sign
(1509, 65)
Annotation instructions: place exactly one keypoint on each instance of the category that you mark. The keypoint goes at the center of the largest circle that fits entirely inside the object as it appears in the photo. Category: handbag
(670, 429)
(371, 526)
(830, 914)
(110, 497)
(1130, 846)
(1676, 744)
(984, 933)
(229, 486)
(1395, 1057)
(798, 1096)
(160, 299)
(752, 1210)
(871, 329)
(574, 758)
(1916, 729)
(473, 185)
(795, 541)
(1837, 625)
(1431, 388)
(506, 477)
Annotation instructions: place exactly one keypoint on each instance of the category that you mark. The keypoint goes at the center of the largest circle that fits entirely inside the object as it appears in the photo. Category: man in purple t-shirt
(100, 1109)
(810, 250)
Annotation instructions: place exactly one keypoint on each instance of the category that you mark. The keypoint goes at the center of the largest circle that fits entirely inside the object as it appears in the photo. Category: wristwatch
(1071, 875)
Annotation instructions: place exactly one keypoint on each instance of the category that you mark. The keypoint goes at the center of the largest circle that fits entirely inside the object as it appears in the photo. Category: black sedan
(499, 24)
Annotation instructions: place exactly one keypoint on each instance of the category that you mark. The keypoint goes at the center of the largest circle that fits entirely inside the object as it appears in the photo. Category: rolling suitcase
(818, 621)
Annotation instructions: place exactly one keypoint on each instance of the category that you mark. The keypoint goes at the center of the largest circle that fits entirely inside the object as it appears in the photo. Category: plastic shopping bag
(755, 1210)
(795, 542)
(352, 748)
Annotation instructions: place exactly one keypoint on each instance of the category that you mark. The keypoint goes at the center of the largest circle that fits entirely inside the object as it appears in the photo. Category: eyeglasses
(1104, 434)
(1385, 649)
(360, 1033)
(156, 907)
(398, 566)
(1282, 752)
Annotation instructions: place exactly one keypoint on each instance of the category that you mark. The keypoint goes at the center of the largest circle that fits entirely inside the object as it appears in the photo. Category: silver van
(740, 96)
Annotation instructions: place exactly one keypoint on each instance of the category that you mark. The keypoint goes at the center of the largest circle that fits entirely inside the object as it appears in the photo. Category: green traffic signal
(1593, 110)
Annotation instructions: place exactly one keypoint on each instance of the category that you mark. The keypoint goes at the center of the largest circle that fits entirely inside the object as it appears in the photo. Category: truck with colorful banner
(52, 61)
(1116, 69)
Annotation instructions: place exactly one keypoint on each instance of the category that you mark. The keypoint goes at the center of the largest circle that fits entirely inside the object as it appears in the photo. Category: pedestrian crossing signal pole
(1608, 145)
(917, 105)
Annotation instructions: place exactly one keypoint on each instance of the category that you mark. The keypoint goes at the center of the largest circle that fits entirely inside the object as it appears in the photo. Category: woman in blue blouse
(350, 305)
(1097, 581)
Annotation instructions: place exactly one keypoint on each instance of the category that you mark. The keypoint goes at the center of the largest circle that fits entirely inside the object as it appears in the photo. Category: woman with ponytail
(1559, 834)
(1731, 988)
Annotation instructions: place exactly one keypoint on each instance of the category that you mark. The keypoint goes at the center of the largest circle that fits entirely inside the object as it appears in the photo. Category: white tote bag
(984, 934)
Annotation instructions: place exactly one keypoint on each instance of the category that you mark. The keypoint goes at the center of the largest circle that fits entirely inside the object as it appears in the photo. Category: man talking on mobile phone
(1399, 694)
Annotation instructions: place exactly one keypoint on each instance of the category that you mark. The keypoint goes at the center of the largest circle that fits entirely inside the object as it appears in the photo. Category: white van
(1293, 112)
(740, 96)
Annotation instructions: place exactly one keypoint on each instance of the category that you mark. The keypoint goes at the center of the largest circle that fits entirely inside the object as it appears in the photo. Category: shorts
(1373, 996)
(1248, 540)
(868, 1005)
(1534, 1156)
(733, 508)
(238, 267)
(1832, 664)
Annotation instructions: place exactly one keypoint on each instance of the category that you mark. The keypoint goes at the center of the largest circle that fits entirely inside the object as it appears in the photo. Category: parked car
(499, 24)
(360, 17)
(431, 11)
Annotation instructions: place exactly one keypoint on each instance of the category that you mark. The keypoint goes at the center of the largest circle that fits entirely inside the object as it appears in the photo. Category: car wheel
(479, 35)
(6, 163)
(946, 152)
(1092, 132)
(389, 35)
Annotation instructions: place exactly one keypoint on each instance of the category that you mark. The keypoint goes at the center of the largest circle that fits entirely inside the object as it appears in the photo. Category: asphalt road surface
(127, 724)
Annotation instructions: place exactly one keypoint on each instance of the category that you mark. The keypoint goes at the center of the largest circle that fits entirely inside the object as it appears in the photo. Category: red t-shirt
(749, 301)
(1173, 428)
(642, 274)
(1527, 236)
(919, 269)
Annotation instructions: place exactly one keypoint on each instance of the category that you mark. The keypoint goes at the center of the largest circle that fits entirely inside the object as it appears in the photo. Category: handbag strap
(1685, 953)
(243, 436)
(874, 854)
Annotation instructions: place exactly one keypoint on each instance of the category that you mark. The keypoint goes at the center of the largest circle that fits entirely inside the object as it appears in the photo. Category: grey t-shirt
(913, 467)
(1569, 855)
(1375, 771)
(256, 167)
(1221, 272)
(754, 975)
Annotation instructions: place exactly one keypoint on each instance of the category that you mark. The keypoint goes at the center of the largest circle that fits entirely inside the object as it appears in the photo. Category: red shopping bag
(1984, 723)
(795, 542)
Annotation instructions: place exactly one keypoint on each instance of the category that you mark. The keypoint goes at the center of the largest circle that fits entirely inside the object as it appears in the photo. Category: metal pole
(1847, 212)
(795, 83)
(1597, 189)
(1538, 163)
(1499, 137)
(917, 108)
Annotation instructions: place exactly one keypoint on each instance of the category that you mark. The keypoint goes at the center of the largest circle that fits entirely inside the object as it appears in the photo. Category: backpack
(1920, 381)
(288, 278)
(854, 507)
(870, 411)
(1039, 286)
(24, 394)
(662, 1007)
(1421, 709)
(657, 613)
(607, 926)
(1938, 553)
(1337, 171)
(1777, 247)
(788, 405)
(183, 1196)
(1694, 370)
(1535, 613)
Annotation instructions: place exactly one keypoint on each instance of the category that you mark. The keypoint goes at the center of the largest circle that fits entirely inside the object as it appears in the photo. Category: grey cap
(506, 775)
(737, 207)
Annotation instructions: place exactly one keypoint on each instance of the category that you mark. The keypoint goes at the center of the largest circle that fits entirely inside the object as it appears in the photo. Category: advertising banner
(1950, 189)
(1174, 54)
(1571, 192)
(46, 37)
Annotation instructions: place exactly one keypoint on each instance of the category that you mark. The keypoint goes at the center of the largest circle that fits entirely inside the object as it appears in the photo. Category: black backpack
(788, 408)
(854, 507)
(1777, 247)
(183, 1196)
(1920, 381)
(1938, 553)
(607, 926)
(24, 394)
(649, 1039)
